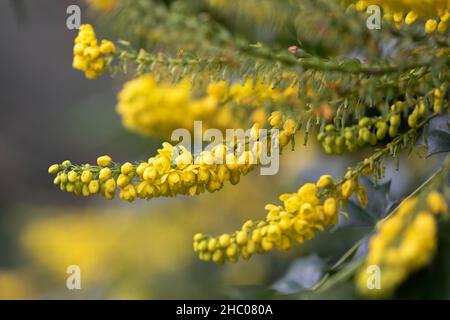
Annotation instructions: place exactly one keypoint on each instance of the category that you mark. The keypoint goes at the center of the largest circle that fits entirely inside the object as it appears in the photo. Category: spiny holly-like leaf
(437, 135)
(303, 274)
(378, 207)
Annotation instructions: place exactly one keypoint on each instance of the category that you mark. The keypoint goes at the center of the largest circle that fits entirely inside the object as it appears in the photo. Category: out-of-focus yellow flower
(14, 285)
(89, 56)
(410, 11)
(103, 6)
(405, 243)
(153, 108)
(157, 108)
(99, 243)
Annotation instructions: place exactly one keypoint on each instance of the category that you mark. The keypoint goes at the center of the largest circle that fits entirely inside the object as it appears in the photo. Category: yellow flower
(104, 161)
(436, 203)
(88, 55)
(302, 215)
(325, 181)
(166, 174)
(415, 11)
(404, 243)
(347, 188)
(430, 26)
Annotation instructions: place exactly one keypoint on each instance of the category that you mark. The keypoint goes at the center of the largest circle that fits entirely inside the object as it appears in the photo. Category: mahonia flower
(89, 56)
(153, 108)
(312, 208)
(410, 11)
(173, 171)
(371, 130)
(405, 243)
(157, 108)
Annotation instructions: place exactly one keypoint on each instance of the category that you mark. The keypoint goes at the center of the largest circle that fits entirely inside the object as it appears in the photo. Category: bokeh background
(50, 112)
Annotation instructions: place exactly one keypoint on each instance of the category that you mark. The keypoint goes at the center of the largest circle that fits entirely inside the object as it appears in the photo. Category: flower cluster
(173, 171)
(89, 55)
(157, 108)
(409, 11)
(371, 130)
(404, 243)
(312, 208)
(287, 126)
(153, 108)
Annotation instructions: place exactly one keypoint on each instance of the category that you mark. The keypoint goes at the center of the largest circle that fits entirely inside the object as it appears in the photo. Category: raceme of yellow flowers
(410, 11)
(157, 108)
(312, 208)
(405, 243)
(89, 55)
(370, 130)
(173, 171)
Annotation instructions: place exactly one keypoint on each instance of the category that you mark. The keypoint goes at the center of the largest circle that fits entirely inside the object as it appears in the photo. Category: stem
(343, 274)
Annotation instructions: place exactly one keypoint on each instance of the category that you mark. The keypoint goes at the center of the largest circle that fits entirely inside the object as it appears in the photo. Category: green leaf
(437, 135)
(302, 275)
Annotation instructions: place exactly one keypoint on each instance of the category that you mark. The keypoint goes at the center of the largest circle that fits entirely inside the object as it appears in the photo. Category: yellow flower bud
(123, 180)
(224, 240)
(247, 225)
(104, 161)
(94, 186)
(107, 47)
(442, 26)
(231, 251)
(430, 26)
(110, 185)
(79, 63)
(218, 257)
(330, 207)
(256, 236)
(86, 176)
(72, 176)
(126, 168)
(53, 169)
(289, 126)
(212, 244)
(141, 168)
(274, 232)
(198, 236)
(266, 244)
(276, 118)
(436, 203)
(347, 189)
(91, 52)
(66, 163)
(241, 237)
(411, 17)
(104, 174)
(57, 180)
